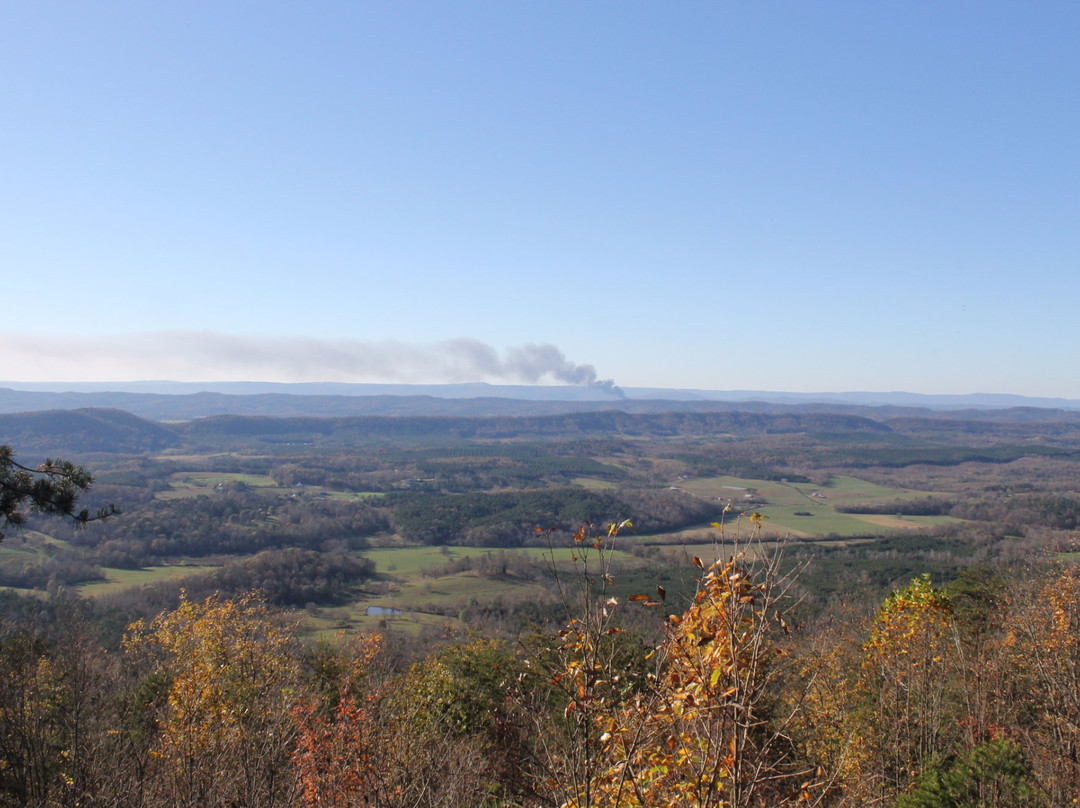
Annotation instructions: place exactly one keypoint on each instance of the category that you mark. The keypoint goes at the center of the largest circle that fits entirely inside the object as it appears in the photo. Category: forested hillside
(812, 608)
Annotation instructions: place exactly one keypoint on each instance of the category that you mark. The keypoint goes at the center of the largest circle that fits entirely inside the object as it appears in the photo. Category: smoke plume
(208, 356)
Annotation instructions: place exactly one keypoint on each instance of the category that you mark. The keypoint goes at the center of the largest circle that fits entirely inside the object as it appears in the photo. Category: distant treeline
(924, 506)
(92, 430)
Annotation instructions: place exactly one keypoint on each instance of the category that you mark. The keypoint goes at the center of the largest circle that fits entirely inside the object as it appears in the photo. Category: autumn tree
(575, 681)
(1044, 646)
(32, 731)
(337, 755)
(435, 735)
(225, 733)
(910, 659)
(711, 730)
(58, 692)
(701, 723)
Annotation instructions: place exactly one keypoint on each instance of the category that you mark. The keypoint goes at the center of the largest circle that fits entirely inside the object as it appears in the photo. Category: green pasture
(179, 456)
(786, 505)
(592, 484)
(405, 562)
(711, 552)
(899, 522)
(212, 478)
(850, 490)
(184, 484)
(453, 590)
(117, 580)
(840, 491)
(823, 521)
(332, 624)
(420, 601)
(13, 552)
(353, 496)
(417, 594)
(191, 484)
(29, 544)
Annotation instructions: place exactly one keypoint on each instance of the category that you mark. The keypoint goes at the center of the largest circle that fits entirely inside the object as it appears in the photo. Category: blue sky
(801, 196)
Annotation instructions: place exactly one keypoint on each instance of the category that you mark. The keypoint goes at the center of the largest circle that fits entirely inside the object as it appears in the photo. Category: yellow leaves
(232, 669)
(1062, 595)
(701, 686)
(667, 741)
(912, 622)
(714, 677)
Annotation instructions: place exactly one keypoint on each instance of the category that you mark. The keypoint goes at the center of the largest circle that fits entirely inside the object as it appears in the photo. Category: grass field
(824, 521)
(405, 562)
(331, 624)
(353, 496)
(805, 510)
(191, 484)
(10, 550)
(417, 590)
(593, 484)
(20, 547)
(117, 580)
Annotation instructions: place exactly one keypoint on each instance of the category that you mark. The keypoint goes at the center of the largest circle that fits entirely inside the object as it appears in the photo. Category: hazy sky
(804, 196)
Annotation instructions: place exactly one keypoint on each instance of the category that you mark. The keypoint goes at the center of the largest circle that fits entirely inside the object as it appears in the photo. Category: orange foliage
(336, 764)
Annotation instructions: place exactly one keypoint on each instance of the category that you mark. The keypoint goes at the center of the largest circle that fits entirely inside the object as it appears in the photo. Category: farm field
(410, 561)
(117, 580)
(186, 484)
(592, 484)
(805, 510)
(418, 583)
(183, 485)
(30, 544)
(420, 599)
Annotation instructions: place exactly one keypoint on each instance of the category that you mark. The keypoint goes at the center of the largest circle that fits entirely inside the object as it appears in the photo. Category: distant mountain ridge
(969, 401)
(164, 400)
(108, 430)
(82, 431)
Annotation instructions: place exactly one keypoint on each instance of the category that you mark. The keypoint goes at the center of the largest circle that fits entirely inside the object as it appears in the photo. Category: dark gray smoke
(208, 356)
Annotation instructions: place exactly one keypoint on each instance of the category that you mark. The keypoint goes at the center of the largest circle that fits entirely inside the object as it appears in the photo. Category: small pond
(382, 611)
